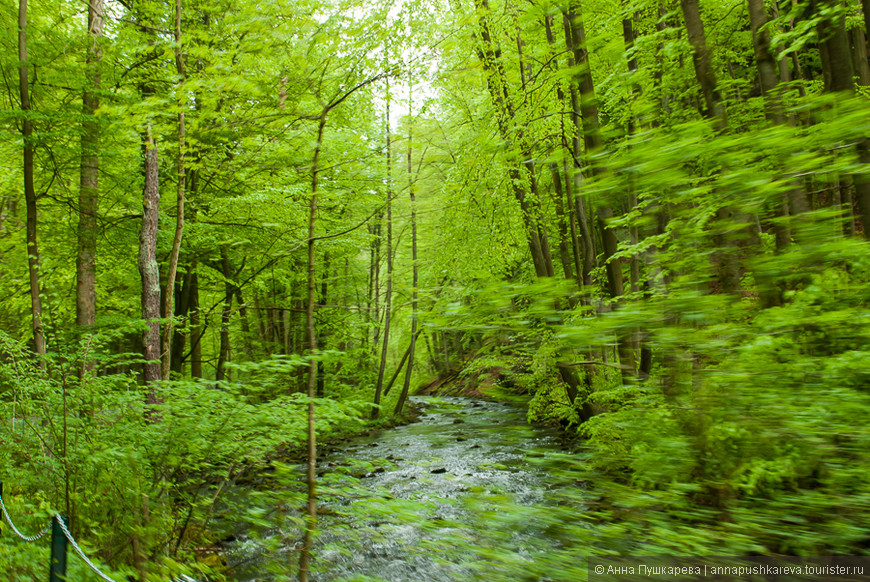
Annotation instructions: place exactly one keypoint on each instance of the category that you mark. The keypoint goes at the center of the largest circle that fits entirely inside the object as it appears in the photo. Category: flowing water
(437, 500)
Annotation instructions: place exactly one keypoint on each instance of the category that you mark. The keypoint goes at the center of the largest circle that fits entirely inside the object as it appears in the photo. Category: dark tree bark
(433, 361)
(764, 61)
(628, 37)
(261, 322)
(833, 36)
(224, 351)
(582, 265)
(528, 157)
(767, 73)
(169, 292)
(311, 517)
(148, 269)
(445, 347)
(565, 254)
(727, 258)
(411, 189)
(401, 366)
(489, 53)
(785, 75)
(570, 254)
(86, 270)
(865, 8)
(29, 190)
(311, 521)
(287, 333)
(573, 186)
(835, 41)
(374, 290)
(276, 326)
(182, 311)
(197, 329)
(245, 323)
(825, 59)
(323, 335)
(389, 287)
(704, 73)
(859, 56)
(862, 187)
(592, 140)
(862, 180)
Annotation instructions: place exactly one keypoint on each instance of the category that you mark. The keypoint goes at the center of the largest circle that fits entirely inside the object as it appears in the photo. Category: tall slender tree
(89, 176)
(388, 292)
(770, 83)
(704, 72)
(311, 521)
(586, 240)
(311, 516)
(29, 190)
(149, 269)
(414, 268)
(591, 132)
(169, 290)
(862, 179)
(520, 167)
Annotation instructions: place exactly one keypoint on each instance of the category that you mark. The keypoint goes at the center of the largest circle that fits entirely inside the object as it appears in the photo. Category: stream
(438, 500)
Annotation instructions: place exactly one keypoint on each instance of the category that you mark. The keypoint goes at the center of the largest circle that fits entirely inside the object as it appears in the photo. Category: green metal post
(57, 569)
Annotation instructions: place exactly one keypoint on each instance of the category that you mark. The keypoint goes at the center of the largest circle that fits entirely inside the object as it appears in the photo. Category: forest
(236, 234)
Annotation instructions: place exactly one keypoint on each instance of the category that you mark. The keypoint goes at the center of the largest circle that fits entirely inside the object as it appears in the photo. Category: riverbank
(482, 381)
(410, 502)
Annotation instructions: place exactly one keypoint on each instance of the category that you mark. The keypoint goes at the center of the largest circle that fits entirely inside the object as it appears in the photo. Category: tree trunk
(566, 205)
(197, 329)
(169, 292)
(389, 287)
(835, 40)
(276, 325)
(579, 207)
(261, 322)
(229, 292)
(323, 335)
(411, 187)
(182, 311)
(374, 295)
(862, 180)
(865, 8)
(592, 139)
(148, 269)
(245, 323)
(704, 73)
(311, 520)
(565, 255)
(489, 53)
(537, 217)
(446, 349)
(86, 293)
(727, 257)
(859, 56)
(839, 70)
(528, 158)
(433, 365)
(628, 38)
(29, 190)
(288, 330)
(862, 187)
(400, 366)
(797, 196)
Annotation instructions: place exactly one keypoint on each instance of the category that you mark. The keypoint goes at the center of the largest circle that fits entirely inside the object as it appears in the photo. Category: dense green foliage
(619, 215)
